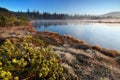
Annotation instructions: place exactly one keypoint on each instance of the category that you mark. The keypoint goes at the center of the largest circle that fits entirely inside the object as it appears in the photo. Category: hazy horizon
(92, 7)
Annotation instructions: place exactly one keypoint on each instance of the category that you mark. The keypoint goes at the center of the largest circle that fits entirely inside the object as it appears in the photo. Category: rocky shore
(80, 60)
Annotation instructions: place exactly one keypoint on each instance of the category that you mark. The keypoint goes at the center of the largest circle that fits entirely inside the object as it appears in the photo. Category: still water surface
(105, 35)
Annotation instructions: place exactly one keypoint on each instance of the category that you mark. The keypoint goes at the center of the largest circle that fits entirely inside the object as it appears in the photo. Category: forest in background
(17, 18)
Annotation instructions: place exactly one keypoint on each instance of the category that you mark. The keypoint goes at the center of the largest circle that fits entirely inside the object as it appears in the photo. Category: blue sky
(63, 6)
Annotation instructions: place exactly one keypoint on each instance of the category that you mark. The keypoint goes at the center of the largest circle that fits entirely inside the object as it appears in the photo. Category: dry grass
(17, 31)
(111, 53)
(117, 59)
(82, 64)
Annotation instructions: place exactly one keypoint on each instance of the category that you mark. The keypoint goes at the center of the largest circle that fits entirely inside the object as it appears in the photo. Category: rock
(97, 47)
(88, 51)
(117, 59)
(68, 36)
(82, 46)
(111, 53)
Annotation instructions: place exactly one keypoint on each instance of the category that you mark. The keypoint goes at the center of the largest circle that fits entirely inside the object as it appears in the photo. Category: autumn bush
(29, 59)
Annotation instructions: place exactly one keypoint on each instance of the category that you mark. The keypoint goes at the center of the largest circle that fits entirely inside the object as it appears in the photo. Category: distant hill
(112, 14)
(6, 12)
(3, 9)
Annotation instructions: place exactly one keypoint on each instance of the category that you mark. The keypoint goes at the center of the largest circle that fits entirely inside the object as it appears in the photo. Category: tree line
(10, 18)
(46, 15)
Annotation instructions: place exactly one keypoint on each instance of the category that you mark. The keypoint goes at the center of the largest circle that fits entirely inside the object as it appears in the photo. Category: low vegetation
(8, 18)
(12, 21)
(28, 59)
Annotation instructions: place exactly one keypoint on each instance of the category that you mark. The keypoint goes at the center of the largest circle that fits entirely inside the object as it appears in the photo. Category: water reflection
(48, 23)
(105, 35)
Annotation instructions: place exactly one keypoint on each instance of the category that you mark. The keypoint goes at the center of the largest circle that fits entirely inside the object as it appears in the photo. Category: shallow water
(105, 35)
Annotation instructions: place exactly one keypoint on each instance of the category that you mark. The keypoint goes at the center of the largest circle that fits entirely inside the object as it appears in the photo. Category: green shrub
(6, 21)
(28, 59)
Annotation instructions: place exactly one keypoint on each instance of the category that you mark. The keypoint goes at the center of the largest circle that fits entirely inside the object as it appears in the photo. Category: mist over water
(103, 34)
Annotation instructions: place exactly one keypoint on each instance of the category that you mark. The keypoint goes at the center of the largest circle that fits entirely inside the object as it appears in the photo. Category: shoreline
(52, 38)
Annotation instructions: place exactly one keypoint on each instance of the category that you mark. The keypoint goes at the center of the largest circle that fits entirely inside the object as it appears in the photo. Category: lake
(107, 35)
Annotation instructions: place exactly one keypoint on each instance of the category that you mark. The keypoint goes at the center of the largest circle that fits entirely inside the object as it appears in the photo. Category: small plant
(28, 59)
